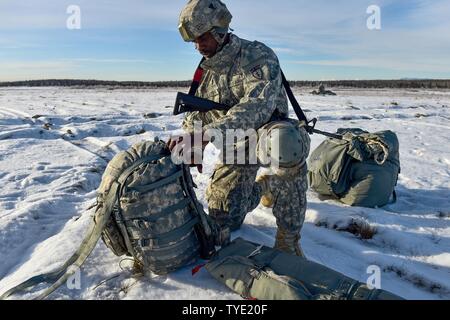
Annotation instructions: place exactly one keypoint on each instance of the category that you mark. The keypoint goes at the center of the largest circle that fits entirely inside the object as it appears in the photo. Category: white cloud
(336, 35)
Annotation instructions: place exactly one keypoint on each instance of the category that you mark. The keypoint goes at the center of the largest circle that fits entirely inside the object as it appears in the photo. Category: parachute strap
(381, 151)
(376, 148)
(373, 146)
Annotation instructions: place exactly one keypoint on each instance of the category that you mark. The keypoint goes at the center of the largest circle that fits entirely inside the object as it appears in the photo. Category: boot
(220, 221)
(288, 242)
(223, 237)
(267, 198)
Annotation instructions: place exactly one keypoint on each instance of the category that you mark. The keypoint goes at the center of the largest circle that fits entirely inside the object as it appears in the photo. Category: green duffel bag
(360, 170)
(262, 273)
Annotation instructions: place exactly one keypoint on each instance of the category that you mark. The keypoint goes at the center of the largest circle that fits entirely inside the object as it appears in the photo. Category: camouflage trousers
(233, 192)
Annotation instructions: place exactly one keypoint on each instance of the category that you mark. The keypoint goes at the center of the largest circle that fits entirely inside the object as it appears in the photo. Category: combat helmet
(201, 16)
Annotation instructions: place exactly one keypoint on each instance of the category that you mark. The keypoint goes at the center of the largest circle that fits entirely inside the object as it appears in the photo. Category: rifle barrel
(327, 134)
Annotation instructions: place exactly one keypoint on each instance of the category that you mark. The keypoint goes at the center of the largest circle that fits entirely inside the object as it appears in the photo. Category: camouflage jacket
(245, 76)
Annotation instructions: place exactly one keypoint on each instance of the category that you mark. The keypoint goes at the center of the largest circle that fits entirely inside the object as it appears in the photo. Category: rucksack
(157, 218)
(147, 209)
(360, 170)
(258, 272)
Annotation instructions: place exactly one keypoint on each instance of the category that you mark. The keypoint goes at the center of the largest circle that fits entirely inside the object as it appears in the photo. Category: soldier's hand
(180, 141)
(173, 141)
(184, 146)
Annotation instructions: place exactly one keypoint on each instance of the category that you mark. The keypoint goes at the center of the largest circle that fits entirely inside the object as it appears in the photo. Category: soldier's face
(206, 45)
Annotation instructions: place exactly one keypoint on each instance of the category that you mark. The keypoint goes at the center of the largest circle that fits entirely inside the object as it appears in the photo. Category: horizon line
(187, 80)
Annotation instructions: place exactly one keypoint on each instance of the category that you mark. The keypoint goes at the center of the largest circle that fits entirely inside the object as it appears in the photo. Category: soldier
(247, 77)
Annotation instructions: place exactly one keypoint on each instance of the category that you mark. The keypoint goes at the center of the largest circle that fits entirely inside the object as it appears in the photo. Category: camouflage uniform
(247, 77)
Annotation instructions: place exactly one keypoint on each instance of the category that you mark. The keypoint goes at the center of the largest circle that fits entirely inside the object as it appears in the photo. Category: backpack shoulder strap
(59, 276)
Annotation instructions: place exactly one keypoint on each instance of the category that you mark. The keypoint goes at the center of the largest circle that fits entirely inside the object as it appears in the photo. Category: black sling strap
(298, 110)
(310, 125)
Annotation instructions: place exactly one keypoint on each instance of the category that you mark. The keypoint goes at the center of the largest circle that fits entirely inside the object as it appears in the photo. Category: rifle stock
(188, 103)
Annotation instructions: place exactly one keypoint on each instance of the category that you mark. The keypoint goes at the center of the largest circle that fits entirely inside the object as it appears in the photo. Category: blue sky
(138, 39)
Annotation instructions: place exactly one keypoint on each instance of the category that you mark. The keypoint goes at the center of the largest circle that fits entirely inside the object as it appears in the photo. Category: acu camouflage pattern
(153, 222)
(289, 187)
(200, 16)
(232, 193)
(247, 77)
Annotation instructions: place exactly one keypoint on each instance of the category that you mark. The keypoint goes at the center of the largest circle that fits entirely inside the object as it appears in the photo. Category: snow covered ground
(56, 142)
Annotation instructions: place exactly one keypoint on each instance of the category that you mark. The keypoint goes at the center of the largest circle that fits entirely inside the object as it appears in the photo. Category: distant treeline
(93, 83)
(376, 84)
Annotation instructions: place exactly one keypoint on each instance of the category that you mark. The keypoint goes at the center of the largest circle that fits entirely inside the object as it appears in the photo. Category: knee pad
(283, 144)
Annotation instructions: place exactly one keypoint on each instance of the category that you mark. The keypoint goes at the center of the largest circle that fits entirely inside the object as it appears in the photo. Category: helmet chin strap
(220, 35)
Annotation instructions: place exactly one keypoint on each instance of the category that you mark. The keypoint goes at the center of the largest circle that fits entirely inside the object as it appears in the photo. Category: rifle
(189, 103)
